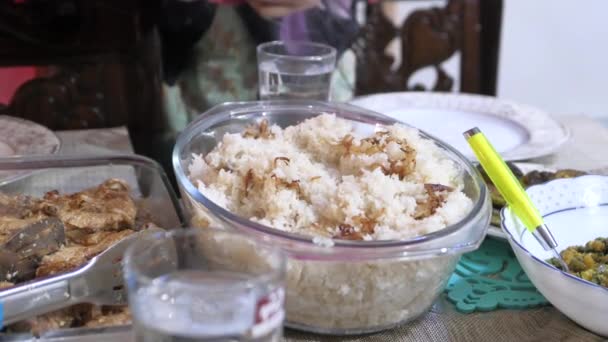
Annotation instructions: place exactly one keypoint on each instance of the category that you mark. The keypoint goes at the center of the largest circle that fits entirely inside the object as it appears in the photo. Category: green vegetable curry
(589, 262)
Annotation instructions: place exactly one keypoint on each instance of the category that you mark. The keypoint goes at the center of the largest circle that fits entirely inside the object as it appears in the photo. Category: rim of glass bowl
(228, 110)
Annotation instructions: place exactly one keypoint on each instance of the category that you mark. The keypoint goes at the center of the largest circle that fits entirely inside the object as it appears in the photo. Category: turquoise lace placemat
(491, 278)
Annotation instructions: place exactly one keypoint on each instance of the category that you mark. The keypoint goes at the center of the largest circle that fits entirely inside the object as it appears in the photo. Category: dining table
(584, 150)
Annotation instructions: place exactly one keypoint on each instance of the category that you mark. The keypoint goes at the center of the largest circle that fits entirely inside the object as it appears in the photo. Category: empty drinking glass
(295, 70)
(205, 284)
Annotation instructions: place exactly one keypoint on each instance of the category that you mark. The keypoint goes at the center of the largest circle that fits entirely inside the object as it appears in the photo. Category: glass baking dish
(149, 185)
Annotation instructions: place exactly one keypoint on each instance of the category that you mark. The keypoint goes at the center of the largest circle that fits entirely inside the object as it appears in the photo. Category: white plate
(19, 137)
(517, 131)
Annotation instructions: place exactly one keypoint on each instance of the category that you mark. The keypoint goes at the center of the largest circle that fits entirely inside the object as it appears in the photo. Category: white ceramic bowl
(576, 211)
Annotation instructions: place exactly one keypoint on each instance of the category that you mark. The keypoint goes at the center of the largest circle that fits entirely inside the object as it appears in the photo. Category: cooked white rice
(314, 179)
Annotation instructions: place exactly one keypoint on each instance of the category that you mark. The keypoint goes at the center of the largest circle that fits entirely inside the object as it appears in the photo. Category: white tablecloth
(586, 149)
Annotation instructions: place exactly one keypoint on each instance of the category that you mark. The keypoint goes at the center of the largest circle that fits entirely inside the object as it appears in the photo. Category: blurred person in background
(209, 47)
(209, 51)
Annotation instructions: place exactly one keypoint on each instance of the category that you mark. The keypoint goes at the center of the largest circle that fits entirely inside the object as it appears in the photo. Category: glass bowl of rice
(373, 214)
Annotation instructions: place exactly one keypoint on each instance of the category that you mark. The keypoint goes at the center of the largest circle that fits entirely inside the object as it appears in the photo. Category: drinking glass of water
(295, 70)
(203, 285)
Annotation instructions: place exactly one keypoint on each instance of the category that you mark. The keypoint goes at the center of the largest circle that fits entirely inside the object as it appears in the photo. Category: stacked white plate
(19, 137)
(517, 131)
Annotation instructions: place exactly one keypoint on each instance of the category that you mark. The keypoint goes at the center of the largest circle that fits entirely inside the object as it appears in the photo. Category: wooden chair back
(428, 37)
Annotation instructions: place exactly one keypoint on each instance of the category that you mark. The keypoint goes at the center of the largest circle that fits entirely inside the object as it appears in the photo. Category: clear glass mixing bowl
(352, 287)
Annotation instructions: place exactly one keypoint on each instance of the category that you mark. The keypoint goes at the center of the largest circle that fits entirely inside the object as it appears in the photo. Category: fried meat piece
(71, 257)
(110, 317)
(38, 325)
(20, 206)
(95, 219)
(17, 212)
(9, 226)
(83, 238)
(63, 260)
(106, 207)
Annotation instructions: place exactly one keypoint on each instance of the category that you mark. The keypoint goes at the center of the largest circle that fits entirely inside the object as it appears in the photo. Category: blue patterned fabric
(491, 278)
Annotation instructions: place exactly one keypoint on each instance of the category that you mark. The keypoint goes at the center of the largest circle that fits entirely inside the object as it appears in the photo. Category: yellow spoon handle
(507, 184)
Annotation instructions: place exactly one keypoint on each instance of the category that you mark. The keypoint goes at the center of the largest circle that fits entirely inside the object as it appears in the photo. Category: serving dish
(20, 137)
(518, 131)
(576, 211)
(495, 230)
(149, 185)
(351, 287)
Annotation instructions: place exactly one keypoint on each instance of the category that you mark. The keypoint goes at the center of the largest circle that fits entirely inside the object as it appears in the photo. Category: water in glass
(190, 305)
(289, 80)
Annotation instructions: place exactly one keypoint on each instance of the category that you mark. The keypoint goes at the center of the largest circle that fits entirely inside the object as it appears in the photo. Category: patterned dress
(224, 69)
